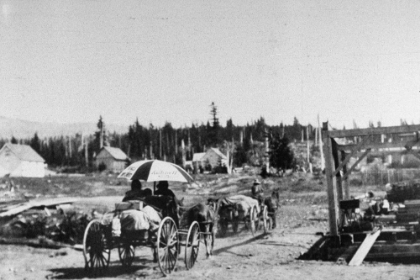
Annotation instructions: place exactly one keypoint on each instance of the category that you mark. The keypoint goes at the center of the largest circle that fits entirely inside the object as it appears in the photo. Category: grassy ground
(306, 188)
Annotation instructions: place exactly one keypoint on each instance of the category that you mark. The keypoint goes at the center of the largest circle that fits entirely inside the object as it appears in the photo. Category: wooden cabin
(112, 159)
(18, 160)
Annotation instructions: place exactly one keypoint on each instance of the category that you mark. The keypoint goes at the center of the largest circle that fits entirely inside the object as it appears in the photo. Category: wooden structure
(339, 146)
(213, 157)
(18, 160)
(338, 156)
(114, 159)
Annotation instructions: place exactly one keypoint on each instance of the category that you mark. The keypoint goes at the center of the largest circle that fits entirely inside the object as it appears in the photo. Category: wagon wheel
(192, 245)
(265, 220)
(167, 245)
(126, 253)
(253, 219)
(95, 248)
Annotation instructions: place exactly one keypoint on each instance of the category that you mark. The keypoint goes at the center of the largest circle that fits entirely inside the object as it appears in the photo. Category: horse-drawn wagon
(165, 238)
(152, 222)
(241, 209)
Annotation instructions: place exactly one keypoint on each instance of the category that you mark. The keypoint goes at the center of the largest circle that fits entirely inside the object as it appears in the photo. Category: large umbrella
(155, 170)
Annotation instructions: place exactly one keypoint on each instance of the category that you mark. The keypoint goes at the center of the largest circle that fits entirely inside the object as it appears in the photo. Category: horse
(233, 209)
(273, 203)
(206, 217)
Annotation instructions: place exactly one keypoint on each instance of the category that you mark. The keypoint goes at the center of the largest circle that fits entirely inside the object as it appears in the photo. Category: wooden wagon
(166, 242)
(231, 212)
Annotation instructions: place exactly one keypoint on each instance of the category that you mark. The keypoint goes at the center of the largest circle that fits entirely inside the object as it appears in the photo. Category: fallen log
(15, 210)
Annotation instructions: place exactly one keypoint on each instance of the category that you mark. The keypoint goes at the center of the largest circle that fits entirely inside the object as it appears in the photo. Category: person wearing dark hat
(257, 191)
(136, 191)
(163, 189)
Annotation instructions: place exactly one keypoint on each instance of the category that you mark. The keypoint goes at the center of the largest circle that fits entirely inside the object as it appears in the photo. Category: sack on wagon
(145, 219)
(243, 203)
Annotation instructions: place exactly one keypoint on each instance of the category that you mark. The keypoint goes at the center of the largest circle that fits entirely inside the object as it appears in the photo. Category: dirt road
(272, 256)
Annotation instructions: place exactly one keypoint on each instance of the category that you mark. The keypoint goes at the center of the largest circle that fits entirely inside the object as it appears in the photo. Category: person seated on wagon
(136, 191)
(257, 191)
(373, 207)
(163, 189)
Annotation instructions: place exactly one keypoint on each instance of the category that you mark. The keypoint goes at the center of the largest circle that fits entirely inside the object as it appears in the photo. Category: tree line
(245, 143)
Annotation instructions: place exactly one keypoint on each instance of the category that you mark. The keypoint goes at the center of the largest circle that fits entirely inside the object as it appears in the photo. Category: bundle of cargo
(403, 191)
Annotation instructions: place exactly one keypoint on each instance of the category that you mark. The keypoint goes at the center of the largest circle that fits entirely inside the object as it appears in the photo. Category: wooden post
(321, 147)
(331, 184)
(336, 158)
(345, 182)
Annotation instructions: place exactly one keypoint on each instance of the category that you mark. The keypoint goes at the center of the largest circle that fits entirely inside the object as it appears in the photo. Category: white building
(18, 160)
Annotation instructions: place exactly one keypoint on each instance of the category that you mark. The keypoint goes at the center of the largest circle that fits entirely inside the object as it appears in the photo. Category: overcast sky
(167, 60)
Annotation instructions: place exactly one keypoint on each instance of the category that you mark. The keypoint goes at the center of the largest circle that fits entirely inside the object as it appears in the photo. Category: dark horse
(273, 203)
(206, 217)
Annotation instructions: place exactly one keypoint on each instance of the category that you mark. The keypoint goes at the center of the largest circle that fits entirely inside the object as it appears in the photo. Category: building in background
(209, 160)
(18, 160)
(112, 159)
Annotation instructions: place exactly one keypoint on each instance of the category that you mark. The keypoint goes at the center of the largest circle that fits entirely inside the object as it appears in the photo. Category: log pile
(54, 219)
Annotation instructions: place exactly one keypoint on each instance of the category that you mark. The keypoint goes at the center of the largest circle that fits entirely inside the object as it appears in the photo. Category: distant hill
(22, 129)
